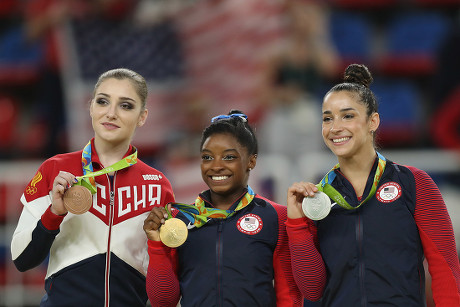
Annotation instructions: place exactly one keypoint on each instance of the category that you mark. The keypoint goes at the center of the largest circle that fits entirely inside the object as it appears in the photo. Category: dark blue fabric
(82, 284)
(373, 254)
(233, 268)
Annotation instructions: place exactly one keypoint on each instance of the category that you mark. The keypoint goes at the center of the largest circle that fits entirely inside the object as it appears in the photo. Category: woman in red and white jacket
(98, 258)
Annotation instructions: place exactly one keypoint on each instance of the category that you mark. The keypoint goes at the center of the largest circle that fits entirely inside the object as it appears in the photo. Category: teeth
(218, 178)
(340, 140)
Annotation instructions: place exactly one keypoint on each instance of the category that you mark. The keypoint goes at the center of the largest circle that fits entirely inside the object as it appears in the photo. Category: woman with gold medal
(236, 252)
(385, 217)
(85, 209)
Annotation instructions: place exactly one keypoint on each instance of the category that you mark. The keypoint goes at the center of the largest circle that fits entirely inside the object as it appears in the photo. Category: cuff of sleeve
(157, 247)
(50, 220)
(296, 222)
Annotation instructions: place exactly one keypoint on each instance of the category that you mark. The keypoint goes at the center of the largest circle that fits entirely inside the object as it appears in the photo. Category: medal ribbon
(330, 191)
(87, 180)
(199, 214)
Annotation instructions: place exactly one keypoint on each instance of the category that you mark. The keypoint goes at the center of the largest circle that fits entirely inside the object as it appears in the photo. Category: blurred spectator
(30, 64)
(445, 124)
(295, 78)
(183, 144)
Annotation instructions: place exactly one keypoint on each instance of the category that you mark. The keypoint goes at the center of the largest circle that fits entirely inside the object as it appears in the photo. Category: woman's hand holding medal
(304, 199)
(171, 231)
(60, 185)
(68, 197)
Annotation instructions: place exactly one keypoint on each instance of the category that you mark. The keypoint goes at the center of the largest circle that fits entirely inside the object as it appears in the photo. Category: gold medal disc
(173, 232)
(78, 199)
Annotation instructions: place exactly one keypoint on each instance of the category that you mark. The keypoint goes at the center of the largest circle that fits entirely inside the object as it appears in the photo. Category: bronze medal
(173, 233)
(78, 199)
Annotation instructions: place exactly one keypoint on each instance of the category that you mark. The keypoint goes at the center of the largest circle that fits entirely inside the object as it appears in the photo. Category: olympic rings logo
(31, 189)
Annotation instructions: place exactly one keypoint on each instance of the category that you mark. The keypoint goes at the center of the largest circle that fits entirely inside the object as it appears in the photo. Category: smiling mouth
(219, 178)
(341, 139)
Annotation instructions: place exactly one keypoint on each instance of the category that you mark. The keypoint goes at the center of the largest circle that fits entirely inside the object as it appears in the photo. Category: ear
(91, 108)
(142, 118)
(374, 121)
(252, 162)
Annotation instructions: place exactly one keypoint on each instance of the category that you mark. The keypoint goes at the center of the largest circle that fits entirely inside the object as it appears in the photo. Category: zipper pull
(220, 225)
(112, 196)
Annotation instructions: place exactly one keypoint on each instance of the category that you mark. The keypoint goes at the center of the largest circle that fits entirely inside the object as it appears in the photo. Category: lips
(110, 126)
(341, 140)
(219, 178)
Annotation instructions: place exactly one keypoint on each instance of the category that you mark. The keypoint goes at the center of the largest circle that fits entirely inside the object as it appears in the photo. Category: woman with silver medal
(385, 220)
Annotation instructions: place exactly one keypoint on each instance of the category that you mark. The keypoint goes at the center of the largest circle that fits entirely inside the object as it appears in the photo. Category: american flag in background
(225, 44)
(216, 48)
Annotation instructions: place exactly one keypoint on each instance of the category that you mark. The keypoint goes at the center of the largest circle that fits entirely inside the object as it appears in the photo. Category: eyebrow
(121, 98)
(226, 150)
(341, 110)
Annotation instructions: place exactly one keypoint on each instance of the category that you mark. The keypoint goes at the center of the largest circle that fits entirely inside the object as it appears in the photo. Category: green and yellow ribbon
(87, 180)
(198, 214)
(330, 191)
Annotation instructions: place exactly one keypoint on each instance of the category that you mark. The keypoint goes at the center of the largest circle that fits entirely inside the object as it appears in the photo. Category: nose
(111, 111)
(216, 164)
(335, 126)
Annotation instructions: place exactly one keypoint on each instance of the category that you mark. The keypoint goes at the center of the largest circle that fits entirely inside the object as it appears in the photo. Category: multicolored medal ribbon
(324, 185)
(78, 198)
(199, 214)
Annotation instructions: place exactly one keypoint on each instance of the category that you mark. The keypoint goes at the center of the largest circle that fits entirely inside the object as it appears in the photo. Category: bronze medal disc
(173, 233)
(78, 199)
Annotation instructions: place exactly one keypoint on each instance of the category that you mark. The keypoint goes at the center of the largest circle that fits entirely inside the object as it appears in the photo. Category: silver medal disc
(316, 207)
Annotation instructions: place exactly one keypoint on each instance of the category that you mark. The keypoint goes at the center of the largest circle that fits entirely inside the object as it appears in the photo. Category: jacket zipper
(107, 261)
(219, 248)
(361, 266)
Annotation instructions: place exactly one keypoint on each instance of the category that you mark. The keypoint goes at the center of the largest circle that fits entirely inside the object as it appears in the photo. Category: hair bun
(235, 111)
(358, 73)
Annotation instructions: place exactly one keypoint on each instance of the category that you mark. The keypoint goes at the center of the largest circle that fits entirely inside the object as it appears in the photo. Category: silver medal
(316, 207)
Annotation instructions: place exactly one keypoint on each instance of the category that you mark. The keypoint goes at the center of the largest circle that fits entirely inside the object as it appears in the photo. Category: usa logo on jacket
(250, 224)
(389, 192)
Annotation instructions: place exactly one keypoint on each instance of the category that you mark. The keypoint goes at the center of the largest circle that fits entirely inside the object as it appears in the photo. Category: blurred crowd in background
(273, 59)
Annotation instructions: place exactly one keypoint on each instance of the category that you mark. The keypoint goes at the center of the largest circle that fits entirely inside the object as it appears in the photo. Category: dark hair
(123, 73)
(357, 79)
(236, 125)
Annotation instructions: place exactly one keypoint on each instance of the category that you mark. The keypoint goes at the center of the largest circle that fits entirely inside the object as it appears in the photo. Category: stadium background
(203, 57)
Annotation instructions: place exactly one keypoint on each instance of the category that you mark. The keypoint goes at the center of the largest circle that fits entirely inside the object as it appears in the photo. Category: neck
(357, 169)
(110, 153)
(224, 202)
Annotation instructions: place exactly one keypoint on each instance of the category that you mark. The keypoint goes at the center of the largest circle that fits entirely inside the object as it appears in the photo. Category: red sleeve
(307, 264)
(437, 235)
(287, 292)
(162, 284)
(50, 220)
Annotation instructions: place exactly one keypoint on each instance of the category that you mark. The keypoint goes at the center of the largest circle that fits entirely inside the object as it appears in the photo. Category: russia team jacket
(98, 258)
(374, 255)
(239, 261)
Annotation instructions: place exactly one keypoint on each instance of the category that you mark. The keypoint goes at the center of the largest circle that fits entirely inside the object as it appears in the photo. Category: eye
(206, 157)
(229, 157)
(326, 119)
(102, 101)
(349, 116)
(127, 106)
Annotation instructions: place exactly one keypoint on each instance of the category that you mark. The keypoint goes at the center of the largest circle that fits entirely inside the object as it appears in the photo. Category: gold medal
(173, 232)
(78, 199)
